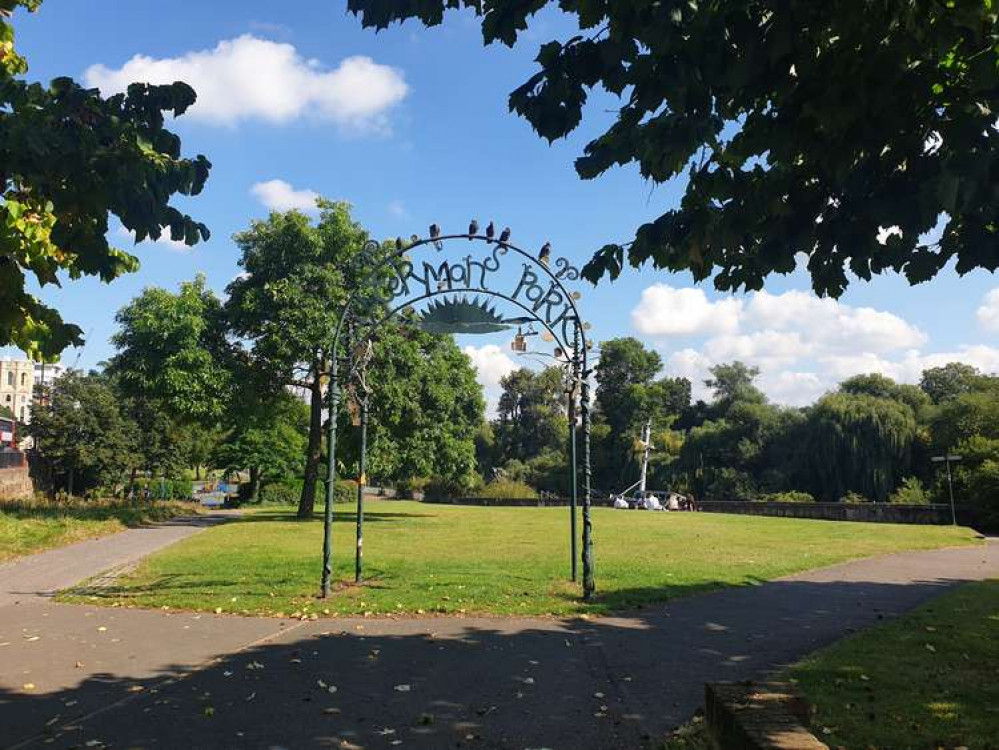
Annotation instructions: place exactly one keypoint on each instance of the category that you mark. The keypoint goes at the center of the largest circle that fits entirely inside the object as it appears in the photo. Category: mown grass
(28, 526)
(423, 558)
(927, 680)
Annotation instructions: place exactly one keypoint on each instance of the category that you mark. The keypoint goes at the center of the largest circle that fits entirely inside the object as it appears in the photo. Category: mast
(647, 442)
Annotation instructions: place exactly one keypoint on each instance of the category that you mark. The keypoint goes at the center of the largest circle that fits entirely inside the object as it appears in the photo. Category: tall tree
(948, 381)
(881, 386)
(531, 413)
(426, 409)
(81, 433)
(172, 347)
(801, 127)
(734, 382)
(296, 278)
(68, 158)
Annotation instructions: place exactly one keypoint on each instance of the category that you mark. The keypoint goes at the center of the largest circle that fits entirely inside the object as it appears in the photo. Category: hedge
(288, 492)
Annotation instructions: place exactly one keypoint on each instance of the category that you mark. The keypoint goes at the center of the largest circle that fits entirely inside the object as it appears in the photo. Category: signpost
(947, 459)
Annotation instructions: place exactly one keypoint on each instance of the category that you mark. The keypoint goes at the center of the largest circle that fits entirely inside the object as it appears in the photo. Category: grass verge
(428, 559)
(28, 526)
(926, 680)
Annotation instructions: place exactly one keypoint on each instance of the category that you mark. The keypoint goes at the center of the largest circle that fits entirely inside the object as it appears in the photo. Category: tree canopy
(800, 127)
(68, 158)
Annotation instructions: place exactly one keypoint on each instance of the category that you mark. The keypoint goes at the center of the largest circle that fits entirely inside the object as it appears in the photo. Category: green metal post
(334, 409)
(573, 466)
(362, 480)
(588, 579)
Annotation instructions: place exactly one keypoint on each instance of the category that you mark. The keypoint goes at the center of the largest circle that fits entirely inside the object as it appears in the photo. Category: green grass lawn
(453, 559)
(929, 679)
(31, 526)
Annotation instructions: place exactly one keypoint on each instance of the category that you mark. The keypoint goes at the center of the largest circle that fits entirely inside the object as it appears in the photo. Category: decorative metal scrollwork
(565, 270)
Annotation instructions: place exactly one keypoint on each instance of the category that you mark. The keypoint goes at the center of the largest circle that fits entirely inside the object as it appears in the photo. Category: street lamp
(947, 459)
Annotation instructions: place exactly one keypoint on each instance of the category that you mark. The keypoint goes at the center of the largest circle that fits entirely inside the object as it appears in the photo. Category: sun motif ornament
(457, 315)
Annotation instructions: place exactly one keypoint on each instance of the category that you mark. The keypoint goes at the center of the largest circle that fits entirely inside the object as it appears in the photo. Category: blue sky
(411, 126)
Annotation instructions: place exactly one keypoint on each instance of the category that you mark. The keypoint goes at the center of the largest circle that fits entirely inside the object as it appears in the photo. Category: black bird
(398, 243)
(473, 228)
(435, 231)
(490, 231)
(505, 235)
(546, 253)
(413, 239)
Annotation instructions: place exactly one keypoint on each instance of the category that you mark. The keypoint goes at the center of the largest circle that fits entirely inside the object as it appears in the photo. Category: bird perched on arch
(505, 235)
(490, 231)
(546, 254)
(435, 231)
(398, 243)
(473, 228)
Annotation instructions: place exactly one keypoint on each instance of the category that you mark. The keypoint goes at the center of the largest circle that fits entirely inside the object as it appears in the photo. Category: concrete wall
(15, 484)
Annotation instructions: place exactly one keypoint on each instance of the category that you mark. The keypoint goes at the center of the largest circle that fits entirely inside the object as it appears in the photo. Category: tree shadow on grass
(617, 682)
(339, 516)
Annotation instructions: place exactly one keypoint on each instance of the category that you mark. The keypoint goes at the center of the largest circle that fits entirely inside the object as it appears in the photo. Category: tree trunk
(197, 472)
(314, 454)
(254, 484)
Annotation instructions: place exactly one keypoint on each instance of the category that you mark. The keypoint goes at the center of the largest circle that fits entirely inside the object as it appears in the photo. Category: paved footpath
(77, 676)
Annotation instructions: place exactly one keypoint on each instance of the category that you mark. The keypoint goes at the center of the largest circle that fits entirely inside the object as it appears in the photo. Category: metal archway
(540, 292)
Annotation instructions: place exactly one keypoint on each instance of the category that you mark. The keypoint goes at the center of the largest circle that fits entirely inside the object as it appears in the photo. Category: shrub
(910, 492)
(289, 491)
(787, 497)
(408, 488)
(854, 497)
(505, 488)
(445, 489)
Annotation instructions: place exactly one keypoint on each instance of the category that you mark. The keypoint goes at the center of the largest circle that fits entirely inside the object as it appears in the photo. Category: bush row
(288, 492)
(163, 489)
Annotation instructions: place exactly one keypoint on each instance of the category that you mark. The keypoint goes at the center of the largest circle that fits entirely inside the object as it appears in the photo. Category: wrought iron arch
(388, 278)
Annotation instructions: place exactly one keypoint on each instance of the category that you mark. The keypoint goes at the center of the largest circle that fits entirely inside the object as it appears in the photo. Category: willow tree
(858, 443)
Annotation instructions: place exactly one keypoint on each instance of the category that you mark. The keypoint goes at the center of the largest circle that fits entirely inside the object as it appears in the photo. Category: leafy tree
(173, 348)
(426, 409)
(732, 383)
(627, 396)
(531, 413)
(858, 443)
(949, 381)
(881, 386)
(69, 158)
(802, 127)
(296, 277)
(269, 439)
(81, 434)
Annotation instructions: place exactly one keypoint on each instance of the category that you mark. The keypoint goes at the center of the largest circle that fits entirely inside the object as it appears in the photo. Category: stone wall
(869, 512)
(15, 483)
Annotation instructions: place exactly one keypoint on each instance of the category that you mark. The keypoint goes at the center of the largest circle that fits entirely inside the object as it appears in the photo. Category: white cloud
(802, 344)
(667, 311)
(279, 195)
(398, 209)
(829, 324)
(177, 246)
(792, 388)
(988, 313)
(249, 78)
(491, 363)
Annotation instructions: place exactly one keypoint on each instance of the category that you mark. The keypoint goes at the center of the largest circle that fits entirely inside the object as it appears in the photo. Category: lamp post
(947, 459)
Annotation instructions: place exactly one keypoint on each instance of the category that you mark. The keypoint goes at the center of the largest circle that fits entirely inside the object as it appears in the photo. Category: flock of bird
(544, 256)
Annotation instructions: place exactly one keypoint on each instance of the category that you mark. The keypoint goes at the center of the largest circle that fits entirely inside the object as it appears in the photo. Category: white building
(45, 373)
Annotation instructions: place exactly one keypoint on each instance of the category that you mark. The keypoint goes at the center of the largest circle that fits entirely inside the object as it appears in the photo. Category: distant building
(46, 372)
(17, 385)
